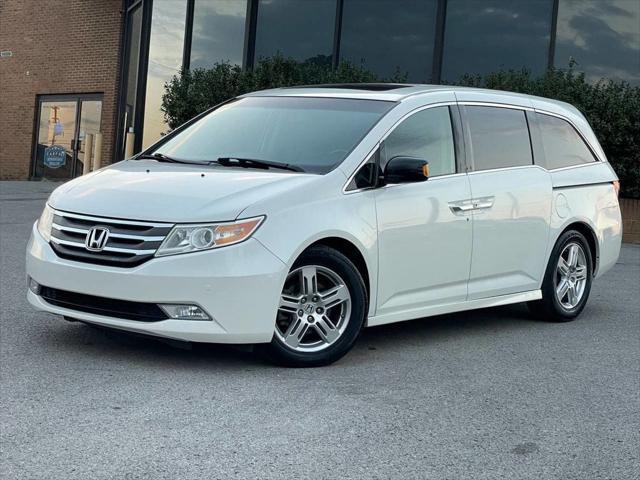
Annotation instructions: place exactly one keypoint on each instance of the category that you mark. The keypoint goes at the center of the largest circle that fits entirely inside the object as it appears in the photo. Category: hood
(167, 192)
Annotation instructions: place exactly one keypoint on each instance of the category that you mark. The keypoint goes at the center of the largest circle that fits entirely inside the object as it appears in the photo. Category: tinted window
(301, 30)
(386, 36)
(489, 35)
(499, 137)
(314, 134)
(426, 135)
(563, 147)
(218, 32)
(603, 37)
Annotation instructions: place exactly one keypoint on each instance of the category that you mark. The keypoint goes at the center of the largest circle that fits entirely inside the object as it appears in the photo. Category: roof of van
(397, 92)
(366, 91)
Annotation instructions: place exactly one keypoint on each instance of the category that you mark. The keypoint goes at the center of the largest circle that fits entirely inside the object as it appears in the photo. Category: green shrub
(612, 108)
(192, 92)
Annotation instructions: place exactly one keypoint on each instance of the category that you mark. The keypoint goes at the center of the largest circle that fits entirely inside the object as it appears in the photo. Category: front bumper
(238, 286)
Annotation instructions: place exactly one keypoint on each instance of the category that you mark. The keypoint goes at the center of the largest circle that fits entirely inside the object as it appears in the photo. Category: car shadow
(106, 344)
(449, 325)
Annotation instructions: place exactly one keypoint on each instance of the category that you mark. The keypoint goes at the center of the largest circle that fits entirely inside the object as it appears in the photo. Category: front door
(61, 128)
(424, 229)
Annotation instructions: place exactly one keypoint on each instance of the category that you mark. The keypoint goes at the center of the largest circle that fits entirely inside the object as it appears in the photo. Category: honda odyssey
(293, 218)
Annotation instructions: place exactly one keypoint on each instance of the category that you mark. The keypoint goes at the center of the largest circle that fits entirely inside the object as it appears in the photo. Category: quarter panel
(580, 175)
(597, 207)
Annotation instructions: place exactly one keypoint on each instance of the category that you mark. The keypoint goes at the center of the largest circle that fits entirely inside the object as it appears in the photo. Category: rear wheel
(322, 310)
(567, 281)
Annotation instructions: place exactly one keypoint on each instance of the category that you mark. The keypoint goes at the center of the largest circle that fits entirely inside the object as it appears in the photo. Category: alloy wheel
(314, 309)
(571, 276)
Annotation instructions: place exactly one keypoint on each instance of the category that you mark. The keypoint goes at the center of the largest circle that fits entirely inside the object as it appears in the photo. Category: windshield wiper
(253, 163)
(161, 157)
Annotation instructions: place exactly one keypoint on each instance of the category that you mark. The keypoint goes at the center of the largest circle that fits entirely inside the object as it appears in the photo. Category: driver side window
(427, 135)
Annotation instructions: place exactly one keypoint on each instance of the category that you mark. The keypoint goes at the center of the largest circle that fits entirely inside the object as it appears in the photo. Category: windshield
(313, 134)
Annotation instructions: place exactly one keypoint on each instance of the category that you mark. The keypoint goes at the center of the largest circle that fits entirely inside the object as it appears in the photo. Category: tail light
(616, 187)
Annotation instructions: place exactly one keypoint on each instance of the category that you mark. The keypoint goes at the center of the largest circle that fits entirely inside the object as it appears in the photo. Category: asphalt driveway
(486, 394)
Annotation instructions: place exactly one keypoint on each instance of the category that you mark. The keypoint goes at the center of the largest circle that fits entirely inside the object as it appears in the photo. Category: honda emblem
(96, 239)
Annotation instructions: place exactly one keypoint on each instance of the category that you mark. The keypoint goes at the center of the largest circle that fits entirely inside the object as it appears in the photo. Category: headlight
(194, 238)
(45, 221)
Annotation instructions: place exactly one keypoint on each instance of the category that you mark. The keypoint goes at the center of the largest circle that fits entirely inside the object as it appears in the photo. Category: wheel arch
(592, 240)
(349, 250)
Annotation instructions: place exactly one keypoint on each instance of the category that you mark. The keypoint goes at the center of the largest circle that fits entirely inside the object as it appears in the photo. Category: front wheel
(567, 280)
(322, 310)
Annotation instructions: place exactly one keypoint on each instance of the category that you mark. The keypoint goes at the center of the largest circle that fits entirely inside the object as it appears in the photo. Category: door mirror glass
(406, 170)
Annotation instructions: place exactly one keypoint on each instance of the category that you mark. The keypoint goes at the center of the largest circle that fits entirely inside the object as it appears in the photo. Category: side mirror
(406, 170)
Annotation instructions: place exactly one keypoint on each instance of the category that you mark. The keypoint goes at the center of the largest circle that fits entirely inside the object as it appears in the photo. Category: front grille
(107, 307)
(130, 242)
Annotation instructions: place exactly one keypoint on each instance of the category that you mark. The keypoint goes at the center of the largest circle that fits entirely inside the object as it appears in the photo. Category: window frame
(459, 147)
(471, 168)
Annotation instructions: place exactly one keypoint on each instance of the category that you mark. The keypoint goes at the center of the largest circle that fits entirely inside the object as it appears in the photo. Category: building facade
(70, 68)
(59, 73)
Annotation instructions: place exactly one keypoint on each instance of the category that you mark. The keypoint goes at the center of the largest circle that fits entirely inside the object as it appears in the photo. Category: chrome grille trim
(105, 249)
(142, 238)
(129, 242)
(111, 220)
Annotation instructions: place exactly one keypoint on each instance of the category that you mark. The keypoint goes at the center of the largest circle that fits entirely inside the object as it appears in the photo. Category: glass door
(90, 115)
(62, 125)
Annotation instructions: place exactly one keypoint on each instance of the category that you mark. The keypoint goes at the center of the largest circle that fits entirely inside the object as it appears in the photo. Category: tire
(318, 321)
(554, 305)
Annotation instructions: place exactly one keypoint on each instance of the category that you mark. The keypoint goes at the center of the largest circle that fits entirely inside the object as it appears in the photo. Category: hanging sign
(55, 156)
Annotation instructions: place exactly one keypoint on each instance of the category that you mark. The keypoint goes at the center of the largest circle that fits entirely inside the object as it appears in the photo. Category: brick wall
(630, 220)
(59, 47)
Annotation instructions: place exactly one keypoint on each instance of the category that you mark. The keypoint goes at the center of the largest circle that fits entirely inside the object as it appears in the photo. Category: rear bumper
(238, 286)
(609, 222)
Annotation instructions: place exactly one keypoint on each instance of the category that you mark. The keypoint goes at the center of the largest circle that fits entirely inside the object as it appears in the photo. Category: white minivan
(293, 218)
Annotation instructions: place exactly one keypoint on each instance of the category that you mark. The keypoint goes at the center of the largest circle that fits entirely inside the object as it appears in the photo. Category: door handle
(461, 207)
(482, 203)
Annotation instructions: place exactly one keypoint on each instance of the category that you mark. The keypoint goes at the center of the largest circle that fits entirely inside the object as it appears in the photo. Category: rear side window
(427, 135)
(563, 147)
(499, 137)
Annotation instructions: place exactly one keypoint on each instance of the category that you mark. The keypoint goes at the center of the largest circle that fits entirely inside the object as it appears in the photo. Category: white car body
(420, 257)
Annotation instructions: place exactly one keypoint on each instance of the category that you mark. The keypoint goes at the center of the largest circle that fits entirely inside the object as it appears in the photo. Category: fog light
(185, 312)
(34, 286)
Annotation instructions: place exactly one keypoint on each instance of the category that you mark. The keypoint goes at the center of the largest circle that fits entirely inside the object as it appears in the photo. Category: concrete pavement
(485, 395)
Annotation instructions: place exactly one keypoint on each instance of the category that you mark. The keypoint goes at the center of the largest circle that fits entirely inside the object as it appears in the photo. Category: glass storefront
(218, 32)
(489, 35)
(292, 29)
(390, 36)
(133, 37)
(165, 60)
(424, 41)
(601, 37)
